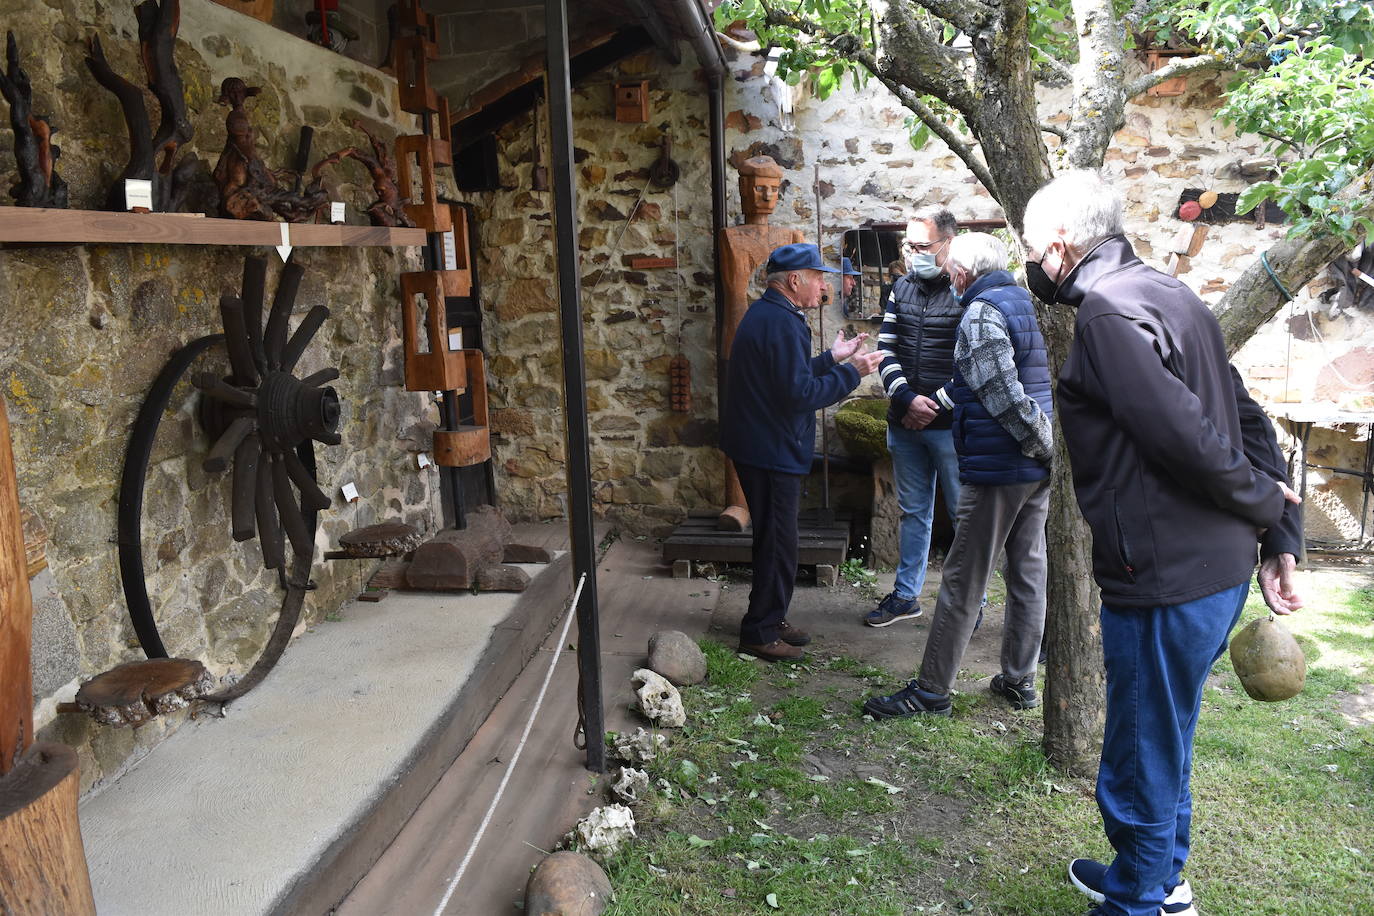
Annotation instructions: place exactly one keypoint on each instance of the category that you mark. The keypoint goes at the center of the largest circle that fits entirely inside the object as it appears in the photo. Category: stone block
(54, 654)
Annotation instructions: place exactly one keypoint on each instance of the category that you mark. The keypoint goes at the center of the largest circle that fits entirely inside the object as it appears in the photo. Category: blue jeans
(918, 455)
(1157, 662)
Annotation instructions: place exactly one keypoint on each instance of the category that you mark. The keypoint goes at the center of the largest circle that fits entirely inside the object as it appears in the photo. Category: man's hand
(1288, 493)
(1276, 583)
(919, 414)
(842, 349)
(867, 363)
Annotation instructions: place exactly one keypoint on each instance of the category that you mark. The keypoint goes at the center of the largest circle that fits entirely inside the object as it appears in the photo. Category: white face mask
(922, 264)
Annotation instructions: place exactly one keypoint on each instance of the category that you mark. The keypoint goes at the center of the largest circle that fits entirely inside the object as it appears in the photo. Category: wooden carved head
(760, 181)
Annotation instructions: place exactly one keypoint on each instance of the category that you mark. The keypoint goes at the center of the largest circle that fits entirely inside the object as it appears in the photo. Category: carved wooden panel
(411, 55)
(415, 178)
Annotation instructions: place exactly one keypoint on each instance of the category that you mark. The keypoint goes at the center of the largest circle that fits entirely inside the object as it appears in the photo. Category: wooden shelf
(36, 224)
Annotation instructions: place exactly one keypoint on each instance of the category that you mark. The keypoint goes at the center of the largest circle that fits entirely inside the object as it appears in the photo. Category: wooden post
(16, 615)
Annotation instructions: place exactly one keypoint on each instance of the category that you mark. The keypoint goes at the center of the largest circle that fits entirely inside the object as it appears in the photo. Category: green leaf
(697, 842)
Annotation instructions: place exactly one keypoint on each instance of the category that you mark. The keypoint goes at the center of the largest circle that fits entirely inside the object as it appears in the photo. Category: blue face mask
(923, 265)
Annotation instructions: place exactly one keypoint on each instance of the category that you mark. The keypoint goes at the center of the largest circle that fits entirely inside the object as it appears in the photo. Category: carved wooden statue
(39, 185)
(152, 157)
(248, 189)
(743, 249)
(389, 207)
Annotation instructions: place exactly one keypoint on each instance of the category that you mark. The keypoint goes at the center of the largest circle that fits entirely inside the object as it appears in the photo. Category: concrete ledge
(284, 804)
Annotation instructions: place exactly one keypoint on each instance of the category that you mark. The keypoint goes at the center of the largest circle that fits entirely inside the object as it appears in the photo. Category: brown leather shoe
(793, 636)
(775, 651)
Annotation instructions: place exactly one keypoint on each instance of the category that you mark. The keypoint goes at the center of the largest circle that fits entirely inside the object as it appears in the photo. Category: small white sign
(455, 339)
(284, 249)
(450, 252)
(422, 460)
(336, 211)
(350, 492)
(138, 192)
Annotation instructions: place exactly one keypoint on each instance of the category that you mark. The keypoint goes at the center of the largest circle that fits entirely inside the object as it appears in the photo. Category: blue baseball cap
(798, 256)
(847, 268)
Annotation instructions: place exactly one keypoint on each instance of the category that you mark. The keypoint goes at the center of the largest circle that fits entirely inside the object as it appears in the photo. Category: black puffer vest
(927, 323)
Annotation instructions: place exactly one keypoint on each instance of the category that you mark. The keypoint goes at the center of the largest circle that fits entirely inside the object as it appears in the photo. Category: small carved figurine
(38, 185)
(389, 207)
(248, 189)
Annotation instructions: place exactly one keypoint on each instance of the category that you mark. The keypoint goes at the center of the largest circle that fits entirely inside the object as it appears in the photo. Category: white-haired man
(917, 342)
(1177, 472)
(1000, 400)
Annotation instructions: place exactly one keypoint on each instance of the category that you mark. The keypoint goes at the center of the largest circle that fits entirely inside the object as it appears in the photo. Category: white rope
(510, 767)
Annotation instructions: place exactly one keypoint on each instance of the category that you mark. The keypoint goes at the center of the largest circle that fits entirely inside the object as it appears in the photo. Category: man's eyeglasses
(923, 247)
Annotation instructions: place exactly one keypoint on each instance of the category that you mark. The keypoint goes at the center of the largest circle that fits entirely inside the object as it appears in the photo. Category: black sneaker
(892, 609)
(1086, 875)
(1021, 694)
(907, 702)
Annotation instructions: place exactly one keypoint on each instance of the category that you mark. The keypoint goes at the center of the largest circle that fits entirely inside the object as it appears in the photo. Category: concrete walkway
(271, 807)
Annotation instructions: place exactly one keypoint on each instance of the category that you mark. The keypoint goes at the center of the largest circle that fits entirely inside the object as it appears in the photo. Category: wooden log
(135, 692)
(386, 539)
(42, 863)
(526, 553)
(502, 578)
(16, 615)
(452, 559)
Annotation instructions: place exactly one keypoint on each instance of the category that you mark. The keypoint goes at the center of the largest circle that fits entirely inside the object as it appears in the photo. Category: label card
(336, 211)
(350, 492)
(422, 460)
(138, 192)
(450, 252)
(455, 339)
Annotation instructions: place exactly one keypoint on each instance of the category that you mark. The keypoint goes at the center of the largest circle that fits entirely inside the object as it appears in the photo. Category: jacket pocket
(1123, 544)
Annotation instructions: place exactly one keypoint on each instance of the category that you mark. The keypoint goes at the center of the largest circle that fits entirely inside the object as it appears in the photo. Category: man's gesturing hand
(842, 349)
(867, 363)
(1276, 584)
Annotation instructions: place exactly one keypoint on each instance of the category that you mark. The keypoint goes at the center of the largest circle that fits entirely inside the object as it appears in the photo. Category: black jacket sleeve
(1262, 448)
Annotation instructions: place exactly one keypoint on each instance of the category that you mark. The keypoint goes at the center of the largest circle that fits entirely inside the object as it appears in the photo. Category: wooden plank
(38, 224)
(16, 615)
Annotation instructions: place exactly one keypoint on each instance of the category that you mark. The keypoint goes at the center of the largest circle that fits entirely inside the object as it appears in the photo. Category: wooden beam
(38, 225)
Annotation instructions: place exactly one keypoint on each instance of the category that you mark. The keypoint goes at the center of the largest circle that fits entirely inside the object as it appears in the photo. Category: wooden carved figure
(248, 189)
(152, 157)
(743, 249)
(389, 207)
(39, 185)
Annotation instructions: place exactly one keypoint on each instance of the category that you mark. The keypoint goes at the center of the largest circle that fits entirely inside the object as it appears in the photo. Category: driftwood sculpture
(135, 693)
(39, 185)
(152, 157)
(248, 189)
(389, 207)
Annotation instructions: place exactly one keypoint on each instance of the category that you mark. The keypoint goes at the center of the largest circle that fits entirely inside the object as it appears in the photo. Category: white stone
(631, 785)
(602, 832)
(658, 699)
(641, 747)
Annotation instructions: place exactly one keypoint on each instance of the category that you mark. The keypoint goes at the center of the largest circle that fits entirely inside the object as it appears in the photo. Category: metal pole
(825, 431)
(718, 206)
(574, 379)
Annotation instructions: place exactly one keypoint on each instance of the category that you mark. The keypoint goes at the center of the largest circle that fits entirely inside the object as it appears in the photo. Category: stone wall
(84, 330)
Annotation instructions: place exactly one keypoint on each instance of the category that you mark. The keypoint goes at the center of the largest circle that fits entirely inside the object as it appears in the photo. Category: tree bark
(42, 862)
(16, 615)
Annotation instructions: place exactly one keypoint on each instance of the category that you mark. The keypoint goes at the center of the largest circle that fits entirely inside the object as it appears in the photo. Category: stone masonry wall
(84, 329)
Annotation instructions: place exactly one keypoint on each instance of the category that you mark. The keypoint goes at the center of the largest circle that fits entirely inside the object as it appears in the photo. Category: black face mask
(1040, 283)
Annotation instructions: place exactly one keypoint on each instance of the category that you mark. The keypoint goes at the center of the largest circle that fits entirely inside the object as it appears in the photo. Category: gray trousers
(988, 519)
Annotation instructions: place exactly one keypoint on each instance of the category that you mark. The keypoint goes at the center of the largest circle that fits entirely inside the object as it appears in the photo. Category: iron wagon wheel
(263, 421)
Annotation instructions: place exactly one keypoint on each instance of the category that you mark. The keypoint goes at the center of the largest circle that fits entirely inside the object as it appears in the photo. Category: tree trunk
(42, 862)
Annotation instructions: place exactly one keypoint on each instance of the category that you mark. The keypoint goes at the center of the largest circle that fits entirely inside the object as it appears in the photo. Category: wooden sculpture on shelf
(248, 189)
(42, 863)
(389, 207)
(743, 249)
(39, 185)
(152, 157)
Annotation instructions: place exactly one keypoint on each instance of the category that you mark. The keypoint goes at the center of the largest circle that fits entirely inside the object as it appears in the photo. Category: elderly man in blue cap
(768, 428)
(850, 280)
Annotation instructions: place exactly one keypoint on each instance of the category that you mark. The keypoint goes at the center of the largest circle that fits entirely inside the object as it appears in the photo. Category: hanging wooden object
(42, 863)
(411, 19)
(415, 171)
(1178, 85)
(443, 144)
(412, 54)
(431, 364)
(680, 381)
(632, 102)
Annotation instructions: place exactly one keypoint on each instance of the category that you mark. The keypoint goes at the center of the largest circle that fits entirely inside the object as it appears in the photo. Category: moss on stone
(862, 425)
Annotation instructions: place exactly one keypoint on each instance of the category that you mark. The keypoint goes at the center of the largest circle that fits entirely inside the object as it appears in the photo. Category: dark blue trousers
(1157, 662)
(773, 499)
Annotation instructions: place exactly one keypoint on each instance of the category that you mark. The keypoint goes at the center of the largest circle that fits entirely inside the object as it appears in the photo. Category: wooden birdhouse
(1170, 87)
(632, 102)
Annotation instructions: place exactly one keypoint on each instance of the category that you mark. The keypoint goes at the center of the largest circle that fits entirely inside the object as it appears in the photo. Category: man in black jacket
(917, 342)
(768, 429)
(1178, 474)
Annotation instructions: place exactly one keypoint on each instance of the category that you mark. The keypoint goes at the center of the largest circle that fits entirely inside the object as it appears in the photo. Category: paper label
(336, 211)
(350, 492)
(138, 192)
(285, 234)
(450, 252)
(455, 339)
(422, 460)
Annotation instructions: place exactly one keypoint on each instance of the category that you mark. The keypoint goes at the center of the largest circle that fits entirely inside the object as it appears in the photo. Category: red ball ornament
(1189, 210)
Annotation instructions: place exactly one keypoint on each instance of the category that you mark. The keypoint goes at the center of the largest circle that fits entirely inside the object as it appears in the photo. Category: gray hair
(1079, 206)
(939, 218)
(978, 253)
(779, 277)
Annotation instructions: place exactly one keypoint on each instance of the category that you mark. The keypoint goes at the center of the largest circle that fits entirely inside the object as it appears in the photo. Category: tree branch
(1099, 102)
(1203, 63)
(968, 16)
(957, 144)
(1060, 132)
(1253, 298)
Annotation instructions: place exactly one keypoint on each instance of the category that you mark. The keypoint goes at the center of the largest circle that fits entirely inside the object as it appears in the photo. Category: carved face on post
(760, 181)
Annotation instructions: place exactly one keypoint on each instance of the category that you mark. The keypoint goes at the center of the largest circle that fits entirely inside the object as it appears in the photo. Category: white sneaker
(1086, 877)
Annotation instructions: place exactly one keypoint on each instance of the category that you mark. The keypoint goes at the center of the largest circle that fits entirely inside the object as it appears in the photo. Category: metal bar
(574, 379)
(718, 206)
(825, 429)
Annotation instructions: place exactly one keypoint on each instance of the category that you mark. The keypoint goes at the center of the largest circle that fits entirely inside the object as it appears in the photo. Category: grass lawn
(779, 797)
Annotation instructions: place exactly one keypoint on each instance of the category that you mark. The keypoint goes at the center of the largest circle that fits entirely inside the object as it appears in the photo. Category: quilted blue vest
(988, 454)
